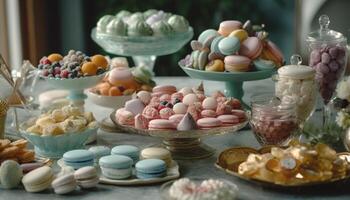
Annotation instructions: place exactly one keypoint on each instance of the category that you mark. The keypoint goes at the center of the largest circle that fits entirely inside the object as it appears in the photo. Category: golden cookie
(4, 143)
(21, 143)
(9, 152)
(35, 129)
(26, 156)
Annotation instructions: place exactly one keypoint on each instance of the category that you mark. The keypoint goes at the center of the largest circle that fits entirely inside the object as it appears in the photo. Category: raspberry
(64, 73)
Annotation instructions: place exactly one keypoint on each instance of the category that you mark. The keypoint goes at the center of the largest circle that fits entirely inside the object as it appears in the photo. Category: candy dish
(230, 159)
(199, 188)
(52, 146)
(143, 49)
(108, 101)
(183, 144)
(171, 174)
(233, 80)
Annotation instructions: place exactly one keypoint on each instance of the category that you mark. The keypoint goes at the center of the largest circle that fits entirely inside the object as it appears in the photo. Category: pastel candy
(325, 58)
(226, 27)
(251, 48)
(10, 174)
(229, 45)
(214, 47)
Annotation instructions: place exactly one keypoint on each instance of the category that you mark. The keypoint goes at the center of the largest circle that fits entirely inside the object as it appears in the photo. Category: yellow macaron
(241, 34)
(216, 65)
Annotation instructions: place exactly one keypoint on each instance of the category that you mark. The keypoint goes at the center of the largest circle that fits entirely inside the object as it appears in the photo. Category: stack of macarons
(167, 108)
(234, 47)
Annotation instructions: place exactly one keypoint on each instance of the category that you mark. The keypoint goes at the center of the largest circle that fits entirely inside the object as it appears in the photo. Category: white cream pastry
(178, 23)
(102, 23)
(161, 28)
(116, 27)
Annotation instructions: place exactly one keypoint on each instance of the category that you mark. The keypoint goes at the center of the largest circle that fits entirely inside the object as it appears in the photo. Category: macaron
(10, 174)
(164, 89)
(214, 47)
(228, 120)
(209, 103)
(208, 123)
(207, 36)
(216, 65)
(135, 106)
(27, 167)
(150, 168)
(78, 158)
(87, 177)
(241, 34)
(124, 117)
(229, 45)
(100, 151)
(116, 166)
(176, 118)
(38, 179)
(208, 113)
(240, 114)
(161, 124)
(199, 59)
(189, 99)
(120, 76)
(237, 63)
(64, 184)
(251, 47)
(262, 64)
(226, 27)
(187, 123)
(272, 52)
(127, 150)
(157, 153)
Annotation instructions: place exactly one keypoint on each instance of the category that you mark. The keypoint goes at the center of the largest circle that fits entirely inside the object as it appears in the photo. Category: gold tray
(231, 158)
(183, 144)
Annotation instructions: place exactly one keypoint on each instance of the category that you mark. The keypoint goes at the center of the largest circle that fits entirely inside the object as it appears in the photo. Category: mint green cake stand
(233, 80)
(143, 49)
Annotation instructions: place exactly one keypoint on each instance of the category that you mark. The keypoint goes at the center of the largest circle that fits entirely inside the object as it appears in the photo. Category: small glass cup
(273, 121)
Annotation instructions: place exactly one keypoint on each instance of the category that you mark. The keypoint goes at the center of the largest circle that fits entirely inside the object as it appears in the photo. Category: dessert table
(203, 168)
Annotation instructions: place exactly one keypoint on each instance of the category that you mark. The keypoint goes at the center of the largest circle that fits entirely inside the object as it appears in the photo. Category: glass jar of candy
(328, 56)
(298, 82)
(273, 121)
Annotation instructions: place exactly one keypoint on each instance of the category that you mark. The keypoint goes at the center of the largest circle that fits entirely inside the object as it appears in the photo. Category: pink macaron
(237, 63)
(239, 113)
(161, 124)
(208, 113)
(208, 123)
(120, 75)
(226, 27)
(164, 89)
(228, 120)
(176, 118)
(251, 47)
(124, 117)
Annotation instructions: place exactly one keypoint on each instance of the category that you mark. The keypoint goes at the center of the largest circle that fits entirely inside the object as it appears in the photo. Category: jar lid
(324, 34)
(295, 69)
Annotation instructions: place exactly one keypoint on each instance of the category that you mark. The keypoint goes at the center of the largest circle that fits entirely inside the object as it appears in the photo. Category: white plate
(172, 173)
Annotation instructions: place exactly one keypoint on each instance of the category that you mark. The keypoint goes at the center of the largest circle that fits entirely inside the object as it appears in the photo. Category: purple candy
(315, 56)
(341, 53)
(322, 68)
(325, 58)
(333, 66)
(333, 52)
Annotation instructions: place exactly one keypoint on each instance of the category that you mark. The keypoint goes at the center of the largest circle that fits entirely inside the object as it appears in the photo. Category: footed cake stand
(75, 87)
(143, 49)
(183, 145)
(233, 80)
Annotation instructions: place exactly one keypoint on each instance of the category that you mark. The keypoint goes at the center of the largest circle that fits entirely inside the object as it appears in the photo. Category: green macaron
(10, 174)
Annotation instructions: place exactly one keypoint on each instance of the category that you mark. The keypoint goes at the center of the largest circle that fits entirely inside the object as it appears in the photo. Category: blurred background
(30, 29)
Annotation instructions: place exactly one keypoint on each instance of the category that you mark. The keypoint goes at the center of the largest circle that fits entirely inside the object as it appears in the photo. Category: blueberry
(40, 66)
(163, 103)
(56, 64)
(75, 73)
(87, 58)
(169, 105)
(177, 101)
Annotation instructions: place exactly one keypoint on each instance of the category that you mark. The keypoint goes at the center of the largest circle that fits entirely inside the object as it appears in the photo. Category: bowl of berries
(74, 72)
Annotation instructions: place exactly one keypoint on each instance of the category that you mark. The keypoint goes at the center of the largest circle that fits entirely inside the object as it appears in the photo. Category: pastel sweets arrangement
(149, 23)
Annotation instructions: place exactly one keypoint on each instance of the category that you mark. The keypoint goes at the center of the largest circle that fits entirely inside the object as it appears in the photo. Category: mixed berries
(74, 65)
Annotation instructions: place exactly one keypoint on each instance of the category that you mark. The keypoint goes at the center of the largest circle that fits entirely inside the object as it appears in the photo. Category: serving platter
(183, 144)
(231, 158)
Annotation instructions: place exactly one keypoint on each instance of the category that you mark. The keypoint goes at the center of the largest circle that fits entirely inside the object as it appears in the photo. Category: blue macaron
(262, 64)
(78, 158)
(127, 150)
(214, 47)
(229, 45)
(150, 168)
(100, 151)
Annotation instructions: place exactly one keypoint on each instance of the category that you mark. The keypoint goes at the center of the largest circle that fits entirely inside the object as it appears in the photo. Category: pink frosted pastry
(228, 120)
(223, 109)
(120, 76)
(189, 99)
(200, 96)
(186, 90)
(209, 103)
(165, 97)
(251, 47)
(208, 113)
(154, 102)
(180, 108)
(218, 94)
(165, 113)
(176, 95)
(161, 124)
(144, 96)
(208, 123)
(164, 89)
(141, 122)
(226, 27)
(194, 112)
(135, 106)
(176, 118)
(187, 123)
(150, 113)
(125, 117)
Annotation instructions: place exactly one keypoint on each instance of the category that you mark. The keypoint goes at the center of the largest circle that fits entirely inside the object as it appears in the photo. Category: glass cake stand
(183, 145)
(143, 49)
(233, 80)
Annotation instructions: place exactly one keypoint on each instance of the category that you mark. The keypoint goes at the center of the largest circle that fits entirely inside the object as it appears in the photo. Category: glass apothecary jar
(328, 56)
(273, 121)
(298, 82)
